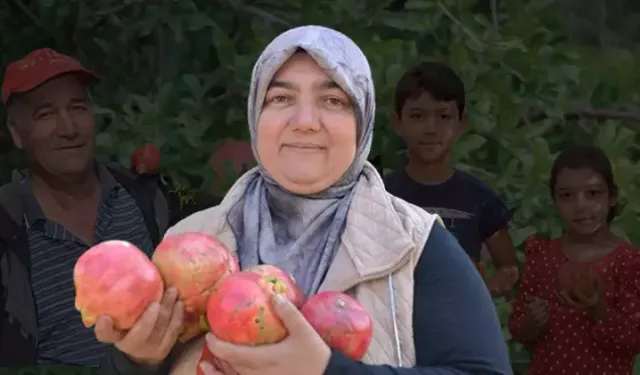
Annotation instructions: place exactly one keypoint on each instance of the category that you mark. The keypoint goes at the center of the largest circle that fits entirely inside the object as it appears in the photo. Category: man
(430, 116)
(54, 211)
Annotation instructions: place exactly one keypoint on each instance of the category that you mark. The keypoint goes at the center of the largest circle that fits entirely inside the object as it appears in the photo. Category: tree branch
(115, 9)
(494, 16)
(25, 9)
(259, 13)
(596, 114)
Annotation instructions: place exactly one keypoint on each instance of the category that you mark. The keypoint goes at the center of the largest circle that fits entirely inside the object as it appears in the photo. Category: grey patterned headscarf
(300, 234)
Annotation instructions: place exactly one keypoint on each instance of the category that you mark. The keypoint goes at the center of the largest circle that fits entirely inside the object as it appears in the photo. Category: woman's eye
(278, 99)
(335, 102)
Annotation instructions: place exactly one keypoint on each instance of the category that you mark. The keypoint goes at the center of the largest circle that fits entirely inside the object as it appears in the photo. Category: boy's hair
(585, 156)
(433, 78)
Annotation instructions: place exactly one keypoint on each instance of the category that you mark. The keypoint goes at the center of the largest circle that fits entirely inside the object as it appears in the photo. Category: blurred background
(540, 74)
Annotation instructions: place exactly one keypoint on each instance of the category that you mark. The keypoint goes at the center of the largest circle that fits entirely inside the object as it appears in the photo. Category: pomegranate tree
(342, 322)
(193, 263)
(116, 279)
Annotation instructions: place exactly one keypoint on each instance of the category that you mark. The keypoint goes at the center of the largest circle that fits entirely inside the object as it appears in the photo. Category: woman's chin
(304, 184)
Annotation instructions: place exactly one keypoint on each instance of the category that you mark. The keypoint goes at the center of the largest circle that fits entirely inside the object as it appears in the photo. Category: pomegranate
(193, 263)
(577, 277)
(234, 153)
(240, 310)
(116, 279)
(342, 322)
(146, 159)
(293, 292)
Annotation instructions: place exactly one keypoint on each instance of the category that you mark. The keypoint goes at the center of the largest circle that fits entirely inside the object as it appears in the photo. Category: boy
(430, 116)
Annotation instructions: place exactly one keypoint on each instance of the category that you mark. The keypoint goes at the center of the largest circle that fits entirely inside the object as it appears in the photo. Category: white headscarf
(300, 234)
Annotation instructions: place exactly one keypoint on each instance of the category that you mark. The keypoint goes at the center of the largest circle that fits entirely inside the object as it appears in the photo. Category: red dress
(571, 343)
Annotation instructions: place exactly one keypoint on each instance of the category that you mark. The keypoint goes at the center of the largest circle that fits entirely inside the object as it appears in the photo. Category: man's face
(429, 127)
(54, 125)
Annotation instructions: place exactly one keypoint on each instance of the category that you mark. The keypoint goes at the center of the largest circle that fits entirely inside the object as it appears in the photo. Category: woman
(571, 328)
(316, 208)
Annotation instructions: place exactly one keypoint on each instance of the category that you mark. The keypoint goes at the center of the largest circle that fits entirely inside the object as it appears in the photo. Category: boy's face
(429, 127)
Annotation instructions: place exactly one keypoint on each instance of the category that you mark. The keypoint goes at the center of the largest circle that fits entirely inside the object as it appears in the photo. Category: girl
(593, 330)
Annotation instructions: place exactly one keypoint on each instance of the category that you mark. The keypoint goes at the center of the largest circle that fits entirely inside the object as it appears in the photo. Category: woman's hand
(302, 352)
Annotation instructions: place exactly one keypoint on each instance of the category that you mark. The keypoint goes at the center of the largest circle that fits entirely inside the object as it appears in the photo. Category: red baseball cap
(38, 67)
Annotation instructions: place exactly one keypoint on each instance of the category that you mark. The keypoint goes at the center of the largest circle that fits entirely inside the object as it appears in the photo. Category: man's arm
(117, 363)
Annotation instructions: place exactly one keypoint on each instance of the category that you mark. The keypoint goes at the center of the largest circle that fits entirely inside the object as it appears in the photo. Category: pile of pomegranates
(116, 279)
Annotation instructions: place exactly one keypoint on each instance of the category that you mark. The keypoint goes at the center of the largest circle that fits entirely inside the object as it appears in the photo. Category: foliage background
(541, 74)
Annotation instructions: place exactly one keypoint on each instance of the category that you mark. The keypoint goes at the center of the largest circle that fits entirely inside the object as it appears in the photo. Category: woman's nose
(306, 118)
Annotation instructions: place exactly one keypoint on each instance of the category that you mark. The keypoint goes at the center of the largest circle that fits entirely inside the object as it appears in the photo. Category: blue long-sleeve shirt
(456, 327)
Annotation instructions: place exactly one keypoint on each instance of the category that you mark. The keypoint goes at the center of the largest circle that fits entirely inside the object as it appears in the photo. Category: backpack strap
(147, 193)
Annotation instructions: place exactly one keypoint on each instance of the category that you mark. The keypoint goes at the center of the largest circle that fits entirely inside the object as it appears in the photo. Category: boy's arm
(501, 249)
(494, 225)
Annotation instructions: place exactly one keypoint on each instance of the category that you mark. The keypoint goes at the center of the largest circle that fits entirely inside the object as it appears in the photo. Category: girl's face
(583, 200)
(306, 136)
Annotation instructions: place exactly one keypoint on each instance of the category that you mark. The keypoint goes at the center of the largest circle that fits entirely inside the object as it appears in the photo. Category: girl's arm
(456, 327)
(527, 288)
(618, 328)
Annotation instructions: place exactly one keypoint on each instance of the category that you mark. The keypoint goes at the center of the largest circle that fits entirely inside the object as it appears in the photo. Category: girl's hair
(583, 156)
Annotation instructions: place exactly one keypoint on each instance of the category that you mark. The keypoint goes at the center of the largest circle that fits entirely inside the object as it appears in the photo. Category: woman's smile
(302, 147)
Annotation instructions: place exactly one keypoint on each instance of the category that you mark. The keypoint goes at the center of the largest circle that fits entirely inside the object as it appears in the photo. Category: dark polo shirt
(54, 251)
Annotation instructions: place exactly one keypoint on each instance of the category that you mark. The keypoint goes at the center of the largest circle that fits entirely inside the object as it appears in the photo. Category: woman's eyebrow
(282, 84)
(328, 84)
(324, 85)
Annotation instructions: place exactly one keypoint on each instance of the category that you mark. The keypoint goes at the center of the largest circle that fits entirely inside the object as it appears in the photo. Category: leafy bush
(177, 74)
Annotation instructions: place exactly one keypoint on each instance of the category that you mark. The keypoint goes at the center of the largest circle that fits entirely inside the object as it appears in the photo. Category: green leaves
(177, 74)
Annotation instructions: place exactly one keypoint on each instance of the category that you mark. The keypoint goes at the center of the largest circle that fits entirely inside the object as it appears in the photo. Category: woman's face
(583, 200)
(306, 133)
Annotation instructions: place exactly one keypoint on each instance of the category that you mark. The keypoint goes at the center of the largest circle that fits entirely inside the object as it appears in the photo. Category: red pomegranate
(577, 277)
(234, 153)
(116, 279)
(146, 159)
(342, 322)
(240, 310)
(193, 263)
(293, 292)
